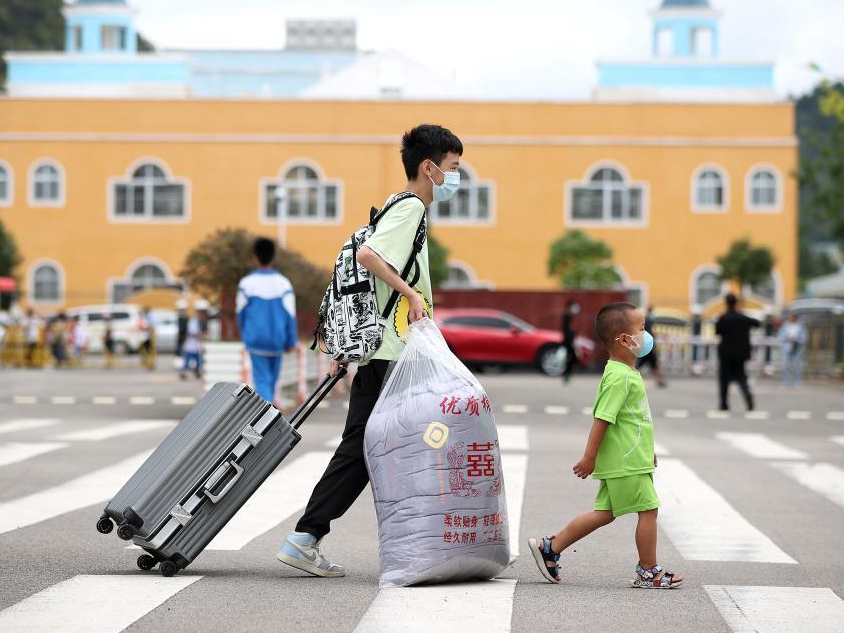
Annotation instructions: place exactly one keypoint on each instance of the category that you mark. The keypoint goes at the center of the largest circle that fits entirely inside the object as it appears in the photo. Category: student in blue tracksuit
(266, 316)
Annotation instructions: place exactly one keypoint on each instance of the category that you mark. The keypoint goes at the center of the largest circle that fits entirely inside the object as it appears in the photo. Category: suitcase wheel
(104, 525)
(126, 532)
(168, 568)
(146, 562)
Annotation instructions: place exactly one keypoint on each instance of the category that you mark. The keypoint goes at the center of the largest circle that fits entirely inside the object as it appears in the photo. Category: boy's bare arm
(375, 264)
(586, 465)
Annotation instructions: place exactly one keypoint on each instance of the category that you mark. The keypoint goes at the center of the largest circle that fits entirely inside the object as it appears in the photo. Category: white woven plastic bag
(432, 452)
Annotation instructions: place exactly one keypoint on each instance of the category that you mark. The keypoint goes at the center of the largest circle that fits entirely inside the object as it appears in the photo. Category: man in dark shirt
(734, 350)
(567, 327)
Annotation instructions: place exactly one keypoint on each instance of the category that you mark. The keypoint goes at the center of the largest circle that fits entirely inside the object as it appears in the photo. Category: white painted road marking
(778, 609)
(551, 410)
(717, 415)
(513, 437)
(14, 452)
(702, 525)
(825, 479)
(761, 446)
(515, 408)
(476, 606)
(660, 450)
(105, 400)
(838, 439)
(515, 476)
(141, 400)
(676, 413)
(756, 415)
(799, 415)
(92, 604)
(183, 400)
(25, 400)
(115, 430)
(63, 399)
(835, 415)
(12, 426)
(94, 488)
(279, 497)
(587, 411)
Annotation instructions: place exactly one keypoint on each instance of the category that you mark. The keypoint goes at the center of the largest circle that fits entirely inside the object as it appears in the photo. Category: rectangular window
(77, 38)
(4, 190)
(113, 38)
(168, 201)
(303, 202)
(586, 204)
(610, 205)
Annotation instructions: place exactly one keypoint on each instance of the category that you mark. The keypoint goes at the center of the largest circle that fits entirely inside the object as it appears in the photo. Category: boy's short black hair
(731, 301)
(264, 250)
(427, 142)
(612, 320)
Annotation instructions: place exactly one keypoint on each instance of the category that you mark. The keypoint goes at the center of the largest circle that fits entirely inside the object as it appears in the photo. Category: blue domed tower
(100, 27)
(685, 63)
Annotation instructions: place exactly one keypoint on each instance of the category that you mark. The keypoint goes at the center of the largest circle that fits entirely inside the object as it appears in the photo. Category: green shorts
(623, 495)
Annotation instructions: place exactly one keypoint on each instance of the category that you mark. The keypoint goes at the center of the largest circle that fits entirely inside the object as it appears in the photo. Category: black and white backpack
(349, 325)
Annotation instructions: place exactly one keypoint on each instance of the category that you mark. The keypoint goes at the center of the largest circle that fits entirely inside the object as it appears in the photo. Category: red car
(492, 339)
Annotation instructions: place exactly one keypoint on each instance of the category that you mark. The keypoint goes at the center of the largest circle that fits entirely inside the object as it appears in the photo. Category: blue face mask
(644, 343)
(449, 187)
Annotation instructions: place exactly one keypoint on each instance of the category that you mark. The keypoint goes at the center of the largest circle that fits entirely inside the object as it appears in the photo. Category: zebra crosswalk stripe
(109, 431)
(14, 452)
(26, 424)
(760, 446)
(477, 606)
(778, 609)
(825, 479)
(702, 525)
(92, 604)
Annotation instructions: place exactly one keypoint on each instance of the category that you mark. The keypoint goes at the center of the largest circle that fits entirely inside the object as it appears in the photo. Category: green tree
(437, 261)
(746, 264)
(821, 172)
(30, 25)
(578, 261)
(214, 267)
(10, 259)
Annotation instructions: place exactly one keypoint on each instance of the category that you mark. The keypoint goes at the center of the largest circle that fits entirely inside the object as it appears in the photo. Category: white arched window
(150, 193)
(6, 185)
(46, 286)
(470, 205)
(301, 194)
(606, 197)
(764, 190)
(709, 189)
(707, 286)
(46, 185)
(461, 275)
(145, 276)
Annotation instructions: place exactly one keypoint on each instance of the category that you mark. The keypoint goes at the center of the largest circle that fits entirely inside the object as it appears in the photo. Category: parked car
(166, 330)
(125, 325)
(493, 339)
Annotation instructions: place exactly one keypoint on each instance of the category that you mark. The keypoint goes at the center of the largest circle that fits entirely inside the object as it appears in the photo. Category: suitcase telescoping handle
(322, 389)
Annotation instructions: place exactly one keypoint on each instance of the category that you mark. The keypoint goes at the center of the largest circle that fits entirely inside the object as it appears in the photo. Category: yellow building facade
(107, 197)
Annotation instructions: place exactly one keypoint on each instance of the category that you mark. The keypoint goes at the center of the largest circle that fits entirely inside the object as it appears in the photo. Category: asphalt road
(752, 514)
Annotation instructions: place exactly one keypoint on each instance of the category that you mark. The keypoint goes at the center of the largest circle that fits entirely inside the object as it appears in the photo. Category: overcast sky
(529, 49)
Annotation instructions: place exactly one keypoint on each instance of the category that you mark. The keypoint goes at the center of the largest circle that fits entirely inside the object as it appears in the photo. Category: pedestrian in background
(32, 333)
(567, 326)
(651, 359)
(619, 453)
(192, 347)
(266, 317)
(792, 337)
(146, 324)
(734, 351)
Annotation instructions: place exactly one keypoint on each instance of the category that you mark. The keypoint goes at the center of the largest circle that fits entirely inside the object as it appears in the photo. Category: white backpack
(349, 325)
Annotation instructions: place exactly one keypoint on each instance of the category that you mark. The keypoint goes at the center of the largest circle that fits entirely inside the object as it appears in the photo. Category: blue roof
(685, 4)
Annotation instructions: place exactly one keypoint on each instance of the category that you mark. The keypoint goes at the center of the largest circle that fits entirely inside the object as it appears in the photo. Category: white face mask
(449, 187)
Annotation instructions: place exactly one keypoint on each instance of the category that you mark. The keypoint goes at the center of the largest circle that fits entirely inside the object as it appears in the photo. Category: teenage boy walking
(431, 156)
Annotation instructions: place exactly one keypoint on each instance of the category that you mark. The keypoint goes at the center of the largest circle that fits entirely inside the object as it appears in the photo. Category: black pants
(733, 371)
(571, 361)
(346, 475)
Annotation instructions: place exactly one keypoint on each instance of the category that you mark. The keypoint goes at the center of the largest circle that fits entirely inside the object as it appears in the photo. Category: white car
(125, 326)
(166, 330)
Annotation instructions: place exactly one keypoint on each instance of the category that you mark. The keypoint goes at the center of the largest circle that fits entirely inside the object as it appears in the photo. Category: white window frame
(627, 284)
(59, 201)
(568, 199)
(778, 290)
(113, 282)
(471, 185)
(749, 206)
(693, 285)
(9, 199)
(467, 270)
(696, 206)
(321, 183)
(148, 218)
(34, 268)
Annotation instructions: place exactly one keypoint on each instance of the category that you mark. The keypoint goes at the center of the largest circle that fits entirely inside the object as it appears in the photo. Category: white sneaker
(301, 550)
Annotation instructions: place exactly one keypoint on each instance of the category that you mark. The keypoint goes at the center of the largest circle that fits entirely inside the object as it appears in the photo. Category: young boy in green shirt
(619, 452)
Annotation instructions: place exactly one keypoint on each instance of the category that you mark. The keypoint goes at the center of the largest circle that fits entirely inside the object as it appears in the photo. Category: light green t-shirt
(628, 445)
(393, 241)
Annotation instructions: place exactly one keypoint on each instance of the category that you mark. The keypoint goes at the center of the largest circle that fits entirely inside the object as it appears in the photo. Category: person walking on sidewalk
(619, 453)
(734, 351)
(266, 317)
(431, 157)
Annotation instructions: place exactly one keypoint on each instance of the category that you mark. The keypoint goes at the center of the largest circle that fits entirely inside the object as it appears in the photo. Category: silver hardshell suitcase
(203, 472)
